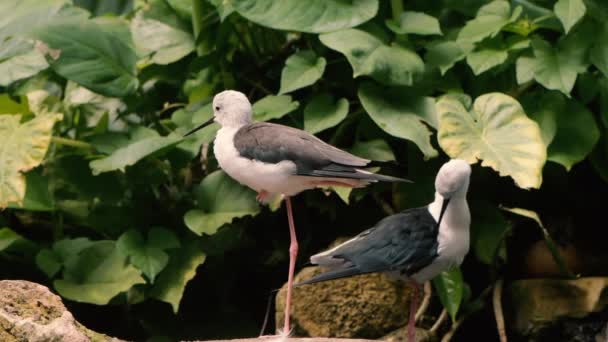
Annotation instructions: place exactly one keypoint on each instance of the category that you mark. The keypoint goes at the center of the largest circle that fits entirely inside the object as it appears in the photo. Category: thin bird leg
(411, 325)
(293, 253)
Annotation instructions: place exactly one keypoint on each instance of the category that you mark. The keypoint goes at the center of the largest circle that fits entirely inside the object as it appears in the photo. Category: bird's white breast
(274, 178)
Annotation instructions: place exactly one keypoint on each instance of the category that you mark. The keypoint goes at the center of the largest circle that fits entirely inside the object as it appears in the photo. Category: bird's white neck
(453, 235)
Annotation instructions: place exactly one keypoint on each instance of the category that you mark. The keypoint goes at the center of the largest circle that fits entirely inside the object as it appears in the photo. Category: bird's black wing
(273, 143)
(404, 242)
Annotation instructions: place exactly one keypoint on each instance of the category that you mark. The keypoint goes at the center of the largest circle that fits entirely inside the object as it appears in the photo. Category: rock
(31, 312)
(292, 339)
(540, 303)
(400, 335)
(365, 306)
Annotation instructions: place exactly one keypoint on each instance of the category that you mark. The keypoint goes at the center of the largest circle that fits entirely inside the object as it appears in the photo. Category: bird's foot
(280, 336)
(262, 196)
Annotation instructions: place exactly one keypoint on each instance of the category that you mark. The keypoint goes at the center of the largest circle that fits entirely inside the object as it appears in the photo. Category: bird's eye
(217, 107)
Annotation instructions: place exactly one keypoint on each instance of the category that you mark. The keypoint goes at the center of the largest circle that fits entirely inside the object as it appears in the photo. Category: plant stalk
(71, 143)
(197, 21)
(397, 9)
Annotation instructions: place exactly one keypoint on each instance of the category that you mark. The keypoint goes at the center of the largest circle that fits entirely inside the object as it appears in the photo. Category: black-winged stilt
(274, 159)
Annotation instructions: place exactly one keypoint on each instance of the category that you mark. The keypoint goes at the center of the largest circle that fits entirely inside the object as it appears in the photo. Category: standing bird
(416, 244)
(274, 160)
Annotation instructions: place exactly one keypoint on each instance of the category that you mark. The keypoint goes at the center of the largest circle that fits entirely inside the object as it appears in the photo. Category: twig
(439, 321)
(426, 300)
(500, 319)
(448, 336)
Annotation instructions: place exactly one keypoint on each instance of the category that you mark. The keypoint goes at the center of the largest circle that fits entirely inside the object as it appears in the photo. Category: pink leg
(293, 253)
(411, 325)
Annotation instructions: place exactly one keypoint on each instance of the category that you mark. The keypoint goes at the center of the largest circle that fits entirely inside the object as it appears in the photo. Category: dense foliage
(109, 205)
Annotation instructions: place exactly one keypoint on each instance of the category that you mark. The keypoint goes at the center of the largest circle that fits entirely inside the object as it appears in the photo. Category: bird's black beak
(201, 126)
(444, 206)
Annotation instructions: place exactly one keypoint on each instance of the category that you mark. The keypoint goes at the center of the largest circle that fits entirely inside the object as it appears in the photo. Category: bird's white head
(231, 109)
(453, 179)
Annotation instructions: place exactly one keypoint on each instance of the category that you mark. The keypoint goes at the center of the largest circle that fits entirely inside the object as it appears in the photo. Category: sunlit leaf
(450, 288)
(273, 107)
(416, 23)
(570, 12)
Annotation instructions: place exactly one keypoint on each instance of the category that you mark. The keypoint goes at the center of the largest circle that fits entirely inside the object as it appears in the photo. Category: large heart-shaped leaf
(399, 115)
(445, 54)
(97, 274)
(148, 255)
(322, 112)
(37, 195)
(273, 107)
(23, 147)
(569, 12)
(377, 150)
(302, 69)
(450, 288)
(221, 199)
(490, 19)
(416, 23)
(568, 128)
(19, 60)
(132, 153)
(368, 55)
(97, 53)
(495, 130)
(315, 16)
(172, 282)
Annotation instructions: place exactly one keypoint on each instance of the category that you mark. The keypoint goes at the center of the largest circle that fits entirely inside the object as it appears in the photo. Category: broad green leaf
(143, 254)
(400, 115)
(132, 153)
(49, 262)
(314, 16)
(485, 59)
(490, 19)
(488, 229)
(172, 282)
(598, 54)
(568, 129)
(416, 23)
(444, 55)
(343, 193)
(220, 199)
(377, 150)
(557, 68)
(524, 69)
(450, 288)
(106, 7)
(19, 60)
(68, 248)
(495, 130)
(106, 66)
(37, 196)
(7, 238)
(273, 107)
(10, 106)
(302, 69)
(97, 274)
(569, 12)
(162, 238)
(187, 119)
(224, 8)
(23, 147)
(323, 112)
(368, 55)
(162, 43)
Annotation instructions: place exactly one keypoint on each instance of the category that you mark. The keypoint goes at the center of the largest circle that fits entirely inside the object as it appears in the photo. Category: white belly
(273, 178)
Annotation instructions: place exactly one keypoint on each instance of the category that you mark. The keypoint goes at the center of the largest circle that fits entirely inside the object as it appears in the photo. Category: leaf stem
(197, 20)
(397, 9)
(500, 319)
(71, 142)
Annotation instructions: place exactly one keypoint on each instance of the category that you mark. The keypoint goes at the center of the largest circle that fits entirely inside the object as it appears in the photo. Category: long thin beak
(201, 126)
(444, 206)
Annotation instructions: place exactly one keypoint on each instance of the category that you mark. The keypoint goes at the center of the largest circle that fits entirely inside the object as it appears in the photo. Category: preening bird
(416, 244)
(274, 160)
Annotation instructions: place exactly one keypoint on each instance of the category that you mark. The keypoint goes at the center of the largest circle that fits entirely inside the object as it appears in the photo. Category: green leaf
(23, 147)
(172, 282)
(368, 55)
(132, 153)
(220, 199)
(568, 128)
(224, 8)
(416, 23)
(490, 19)
(598, 54)
(302, 69)
(314, 16)
(377, 150)
(162, 43)
(485, 59)
(273, 107)
(97, 274)
(557, 68)
(495, 130)
(148, 256)
(7, 238)
(444, 55)
(37, 196)
(488, 227)
(19, 60)
(9, 106)
(450, 288)
(343, 193)
(49, 262)
(323, 112)
(106, 66)
(399, 115)
(524, 69)
(569, 12)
